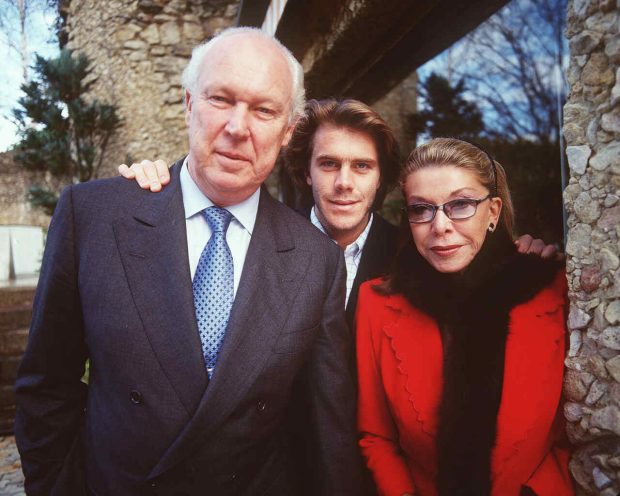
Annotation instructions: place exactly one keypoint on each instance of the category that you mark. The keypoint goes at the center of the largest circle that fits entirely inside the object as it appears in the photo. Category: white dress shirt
(352, 253)
(239, 231)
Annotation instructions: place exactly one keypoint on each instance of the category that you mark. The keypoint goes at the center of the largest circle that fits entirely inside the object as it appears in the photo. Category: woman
(461, 347)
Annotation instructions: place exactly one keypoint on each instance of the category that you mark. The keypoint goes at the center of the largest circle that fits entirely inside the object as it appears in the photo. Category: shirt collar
(359, 242)
(194, 202)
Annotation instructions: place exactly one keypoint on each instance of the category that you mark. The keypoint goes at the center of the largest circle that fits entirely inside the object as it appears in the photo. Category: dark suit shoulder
(107, 199)
(109, 191)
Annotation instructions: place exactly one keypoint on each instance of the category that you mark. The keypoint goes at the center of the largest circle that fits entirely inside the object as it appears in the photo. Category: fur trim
(472, 310)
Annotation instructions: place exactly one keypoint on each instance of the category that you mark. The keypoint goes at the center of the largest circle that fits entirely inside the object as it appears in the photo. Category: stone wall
(14, 184)
(139, 49)
(592, 132)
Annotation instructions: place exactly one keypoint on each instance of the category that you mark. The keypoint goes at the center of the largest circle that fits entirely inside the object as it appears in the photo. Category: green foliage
(447, 112)
(60, 131)
(43, 198)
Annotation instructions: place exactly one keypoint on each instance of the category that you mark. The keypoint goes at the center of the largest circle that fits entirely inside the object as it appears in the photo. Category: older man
(231, 302)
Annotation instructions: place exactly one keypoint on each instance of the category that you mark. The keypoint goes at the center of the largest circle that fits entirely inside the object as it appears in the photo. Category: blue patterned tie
(213, 286)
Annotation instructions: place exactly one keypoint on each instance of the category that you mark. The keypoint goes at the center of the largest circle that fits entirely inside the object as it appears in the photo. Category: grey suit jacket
(115, 288)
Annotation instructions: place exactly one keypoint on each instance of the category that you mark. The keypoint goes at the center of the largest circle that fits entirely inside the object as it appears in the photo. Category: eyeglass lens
(455, 209)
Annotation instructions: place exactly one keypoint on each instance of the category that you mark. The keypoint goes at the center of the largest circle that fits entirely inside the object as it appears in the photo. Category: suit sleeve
(50, 395)
(379, 437)
(332, 396)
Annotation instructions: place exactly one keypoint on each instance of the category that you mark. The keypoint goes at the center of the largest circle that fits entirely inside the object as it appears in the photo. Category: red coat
(399, 354)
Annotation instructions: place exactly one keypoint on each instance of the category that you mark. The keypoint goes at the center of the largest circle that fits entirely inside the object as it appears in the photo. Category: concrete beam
(364, 48)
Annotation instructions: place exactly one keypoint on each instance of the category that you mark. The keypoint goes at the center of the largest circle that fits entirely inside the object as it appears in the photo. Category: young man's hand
(149, 175)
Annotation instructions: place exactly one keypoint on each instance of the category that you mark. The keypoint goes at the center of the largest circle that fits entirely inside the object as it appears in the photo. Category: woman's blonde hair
(450, 151)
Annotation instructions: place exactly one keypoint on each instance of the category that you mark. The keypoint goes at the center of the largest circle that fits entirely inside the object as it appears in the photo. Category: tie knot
(217, 218)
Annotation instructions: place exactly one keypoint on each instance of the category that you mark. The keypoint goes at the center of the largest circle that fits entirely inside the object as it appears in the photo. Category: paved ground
(11, 477)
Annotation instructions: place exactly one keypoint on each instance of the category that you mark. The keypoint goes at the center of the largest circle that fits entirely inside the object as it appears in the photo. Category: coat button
(233, 477)
(135, 397)
(260, 406)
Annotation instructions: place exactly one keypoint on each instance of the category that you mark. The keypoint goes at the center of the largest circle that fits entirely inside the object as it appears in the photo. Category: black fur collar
(472, 310)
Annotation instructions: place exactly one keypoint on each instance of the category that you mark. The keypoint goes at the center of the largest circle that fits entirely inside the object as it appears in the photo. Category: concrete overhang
(363, 48)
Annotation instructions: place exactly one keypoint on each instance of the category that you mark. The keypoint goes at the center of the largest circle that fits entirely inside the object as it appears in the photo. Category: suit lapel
(153, 247)
(271, 277)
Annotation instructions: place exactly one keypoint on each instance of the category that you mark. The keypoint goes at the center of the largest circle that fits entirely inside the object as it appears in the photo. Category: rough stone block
(596, 72)
(610, 338)
(193, 32)
(613, 367)
(576, 384)
(169, 33)
(585, 42)
(577, 318)
(610, 122)
(573, 411)
(609, 259)
(607, 418)
(590, 278)
(609, 219)
(586, 208)
(597, 390)
(136, 45)
(578, 158)
(150, 34)
(575, 343)
(612, 313)
(578, 244)
(126, 32)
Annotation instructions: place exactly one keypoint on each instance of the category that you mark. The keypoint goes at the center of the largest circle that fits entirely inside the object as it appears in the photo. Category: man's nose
(237, 125)
(344, 179)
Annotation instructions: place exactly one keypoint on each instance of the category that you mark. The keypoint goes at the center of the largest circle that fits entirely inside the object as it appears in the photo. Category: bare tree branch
(510, 66)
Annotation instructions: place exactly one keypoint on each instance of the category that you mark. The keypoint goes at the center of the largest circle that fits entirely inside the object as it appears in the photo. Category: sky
(41, 41)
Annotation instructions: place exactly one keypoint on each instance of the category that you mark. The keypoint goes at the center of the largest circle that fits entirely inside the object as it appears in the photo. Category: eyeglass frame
(435, 208)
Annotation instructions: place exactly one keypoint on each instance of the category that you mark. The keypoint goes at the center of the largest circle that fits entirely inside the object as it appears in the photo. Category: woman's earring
(491, 227)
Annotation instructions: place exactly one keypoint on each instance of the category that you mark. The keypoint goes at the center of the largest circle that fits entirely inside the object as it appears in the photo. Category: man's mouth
(232, 155)
(343, 203)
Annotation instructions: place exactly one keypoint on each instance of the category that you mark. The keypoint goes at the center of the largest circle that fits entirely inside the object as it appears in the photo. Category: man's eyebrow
(340, 159)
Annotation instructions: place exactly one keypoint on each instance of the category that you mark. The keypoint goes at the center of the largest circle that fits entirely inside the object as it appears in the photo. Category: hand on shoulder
(149, 175)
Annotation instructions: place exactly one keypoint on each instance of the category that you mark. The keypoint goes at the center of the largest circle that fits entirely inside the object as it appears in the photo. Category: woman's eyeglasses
(462, 208)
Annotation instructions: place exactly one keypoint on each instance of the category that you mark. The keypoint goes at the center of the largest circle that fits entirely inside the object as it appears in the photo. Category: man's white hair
(191, 73)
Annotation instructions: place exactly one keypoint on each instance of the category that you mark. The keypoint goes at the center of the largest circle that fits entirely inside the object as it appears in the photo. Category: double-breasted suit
(115, 288)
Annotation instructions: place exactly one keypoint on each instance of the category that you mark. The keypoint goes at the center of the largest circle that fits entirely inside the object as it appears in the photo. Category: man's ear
(308, 178)
(188, 105)
(289, 131)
